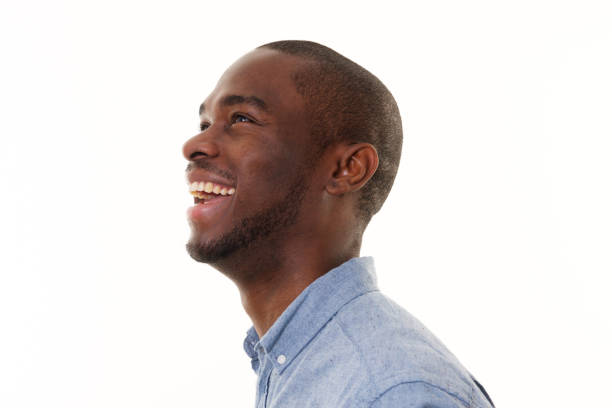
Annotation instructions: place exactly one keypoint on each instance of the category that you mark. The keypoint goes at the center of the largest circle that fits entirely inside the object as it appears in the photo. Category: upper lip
(201, 175)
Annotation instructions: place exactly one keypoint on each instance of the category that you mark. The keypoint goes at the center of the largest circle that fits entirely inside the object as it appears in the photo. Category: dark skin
(261, 150)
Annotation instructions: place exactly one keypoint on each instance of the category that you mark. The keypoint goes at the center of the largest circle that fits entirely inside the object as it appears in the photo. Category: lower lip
(203, 210)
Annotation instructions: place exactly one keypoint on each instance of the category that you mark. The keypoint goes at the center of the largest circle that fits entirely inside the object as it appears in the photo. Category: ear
(355, 163)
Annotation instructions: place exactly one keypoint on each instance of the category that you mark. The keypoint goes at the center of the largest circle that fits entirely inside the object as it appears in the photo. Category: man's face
(252, 149)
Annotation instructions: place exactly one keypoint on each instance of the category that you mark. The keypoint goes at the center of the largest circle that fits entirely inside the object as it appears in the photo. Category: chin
(209, 252)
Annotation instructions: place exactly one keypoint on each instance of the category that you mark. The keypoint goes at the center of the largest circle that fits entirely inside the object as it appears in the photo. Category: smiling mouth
(204, 191)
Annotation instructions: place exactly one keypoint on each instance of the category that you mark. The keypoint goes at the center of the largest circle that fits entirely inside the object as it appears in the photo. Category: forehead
(263, 74)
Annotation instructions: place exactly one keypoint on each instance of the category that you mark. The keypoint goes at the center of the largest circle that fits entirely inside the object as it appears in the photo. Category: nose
(200, 146)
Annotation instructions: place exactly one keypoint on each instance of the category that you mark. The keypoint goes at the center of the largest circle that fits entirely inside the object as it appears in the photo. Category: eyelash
(205, 126)
(239, 115)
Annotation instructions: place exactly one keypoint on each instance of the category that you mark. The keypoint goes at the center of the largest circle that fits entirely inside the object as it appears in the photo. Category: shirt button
(281, 359)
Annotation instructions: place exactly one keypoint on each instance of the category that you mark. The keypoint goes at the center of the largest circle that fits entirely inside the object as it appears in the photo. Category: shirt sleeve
(416, 395)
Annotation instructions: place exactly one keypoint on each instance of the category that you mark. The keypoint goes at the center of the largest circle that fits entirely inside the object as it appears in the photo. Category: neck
(270, 280)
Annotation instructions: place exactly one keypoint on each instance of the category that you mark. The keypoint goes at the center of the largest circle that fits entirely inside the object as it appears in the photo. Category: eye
(204, 126)
(237, 118)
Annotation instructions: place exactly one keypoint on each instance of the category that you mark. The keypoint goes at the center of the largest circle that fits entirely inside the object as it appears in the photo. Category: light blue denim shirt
(342, 343)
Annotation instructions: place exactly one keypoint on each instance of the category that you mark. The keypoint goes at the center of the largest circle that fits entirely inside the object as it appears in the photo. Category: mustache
(206, 165)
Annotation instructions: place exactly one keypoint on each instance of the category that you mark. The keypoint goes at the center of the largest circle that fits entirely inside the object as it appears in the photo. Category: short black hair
(345, 102)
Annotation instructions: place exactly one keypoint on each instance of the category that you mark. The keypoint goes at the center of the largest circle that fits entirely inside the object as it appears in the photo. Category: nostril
(197, 155)
(200, 147)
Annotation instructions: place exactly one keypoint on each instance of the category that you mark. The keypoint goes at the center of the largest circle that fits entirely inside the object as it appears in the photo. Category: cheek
(276, 159)
(267, 176)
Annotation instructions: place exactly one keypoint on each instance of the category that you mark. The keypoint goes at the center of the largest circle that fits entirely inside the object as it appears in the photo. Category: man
(298, 149)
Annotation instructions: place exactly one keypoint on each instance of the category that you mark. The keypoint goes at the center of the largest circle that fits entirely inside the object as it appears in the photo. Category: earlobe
(355, 166)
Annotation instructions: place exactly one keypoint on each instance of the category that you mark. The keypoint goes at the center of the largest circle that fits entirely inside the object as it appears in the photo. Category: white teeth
(209, 187)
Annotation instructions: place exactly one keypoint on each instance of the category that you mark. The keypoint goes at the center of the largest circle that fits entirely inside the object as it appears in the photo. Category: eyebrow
(238, 99)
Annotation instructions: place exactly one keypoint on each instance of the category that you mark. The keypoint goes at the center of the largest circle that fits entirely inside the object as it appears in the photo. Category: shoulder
(419, 395)
(400, 355)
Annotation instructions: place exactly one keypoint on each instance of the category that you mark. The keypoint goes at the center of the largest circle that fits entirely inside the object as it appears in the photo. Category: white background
(497, 234)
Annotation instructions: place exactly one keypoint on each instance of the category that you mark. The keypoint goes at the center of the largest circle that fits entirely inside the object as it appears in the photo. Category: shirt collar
(310, 311)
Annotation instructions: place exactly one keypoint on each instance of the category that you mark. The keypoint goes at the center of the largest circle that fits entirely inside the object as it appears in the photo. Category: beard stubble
(252, 229)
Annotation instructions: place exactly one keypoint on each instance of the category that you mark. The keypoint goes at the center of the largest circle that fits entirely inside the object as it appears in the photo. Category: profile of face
(248, 167)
